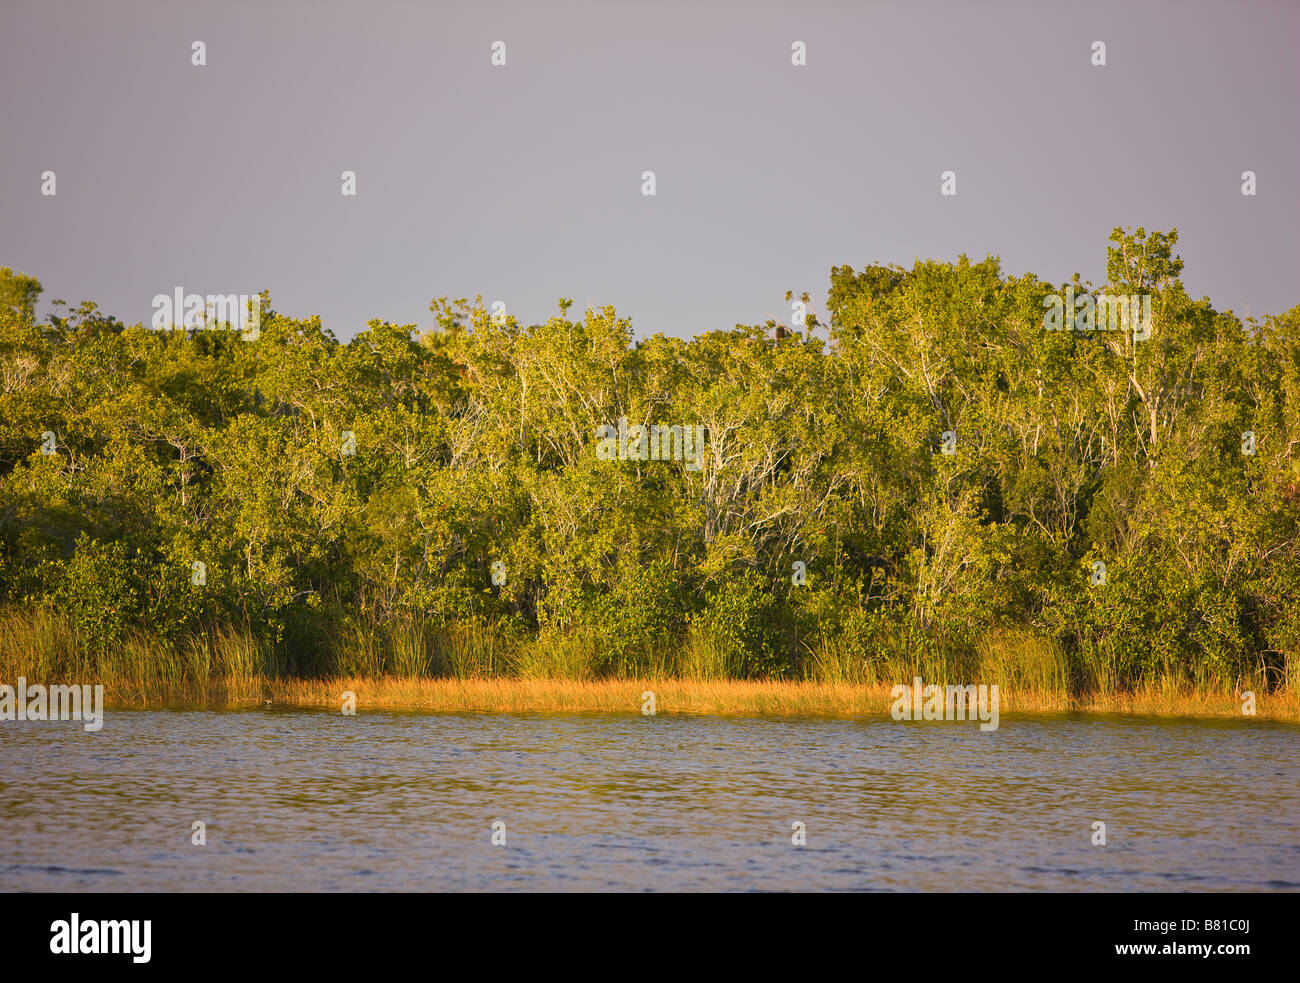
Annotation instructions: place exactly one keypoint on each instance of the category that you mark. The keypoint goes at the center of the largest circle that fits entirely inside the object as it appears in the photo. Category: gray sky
(523, 183)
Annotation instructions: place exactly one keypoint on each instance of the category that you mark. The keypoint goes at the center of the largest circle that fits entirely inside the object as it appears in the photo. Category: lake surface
(314, 801)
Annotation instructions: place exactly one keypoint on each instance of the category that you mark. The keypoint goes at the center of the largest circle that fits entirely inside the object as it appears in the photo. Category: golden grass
(481, 672)
(748, 698)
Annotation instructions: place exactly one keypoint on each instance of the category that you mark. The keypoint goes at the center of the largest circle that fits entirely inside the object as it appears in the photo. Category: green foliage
(101, 590)
(475, 443)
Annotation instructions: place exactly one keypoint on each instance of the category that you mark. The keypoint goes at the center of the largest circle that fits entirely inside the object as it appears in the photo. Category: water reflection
(300, 800)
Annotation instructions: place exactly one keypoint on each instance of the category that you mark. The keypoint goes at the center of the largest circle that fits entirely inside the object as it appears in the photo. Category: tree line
(923, 468)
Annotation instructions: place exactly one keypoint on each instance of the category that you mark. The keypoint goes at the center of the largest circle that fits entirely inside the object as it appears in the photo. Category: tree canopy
(941, 465)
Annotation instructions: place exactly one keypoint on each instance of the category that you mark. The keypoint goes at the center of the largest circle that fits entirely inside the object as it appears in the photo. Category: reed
(719, 697)
(419, 665)
(703, 658)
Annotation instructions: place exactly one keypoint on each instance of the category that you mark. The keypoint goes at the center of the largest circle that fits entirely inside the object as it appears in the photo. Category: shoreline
(739, 698)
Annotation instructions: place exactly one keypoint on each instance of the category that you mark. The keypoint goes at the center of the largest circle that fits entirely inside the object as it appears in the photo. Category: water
(314, 801)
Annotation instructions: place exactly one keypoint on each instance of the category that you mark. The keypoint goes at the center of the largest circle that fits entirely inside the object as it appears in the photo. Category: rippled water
(305, 800)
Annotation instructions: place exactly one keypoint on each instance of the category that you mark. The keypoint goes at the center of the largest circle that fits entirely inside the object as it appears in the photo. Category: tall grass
(577, 655)
(42, 644)
(462, 653)
(704, 657)
(231, 662)
(1021, 660)
(45, 646)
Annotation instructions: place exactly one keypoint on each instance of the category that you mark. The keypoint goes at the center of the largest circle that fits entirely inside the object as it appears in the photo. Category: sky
(523, 182)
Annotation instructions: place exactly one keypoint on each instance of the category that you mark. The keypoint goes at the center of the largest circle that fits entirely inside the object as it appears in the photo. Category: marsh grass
(42, 644)
(411, 649)
(703, 658)
(425, 666)
(1022, 661)
(575, 657)
(720, 697)
(464, 654)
